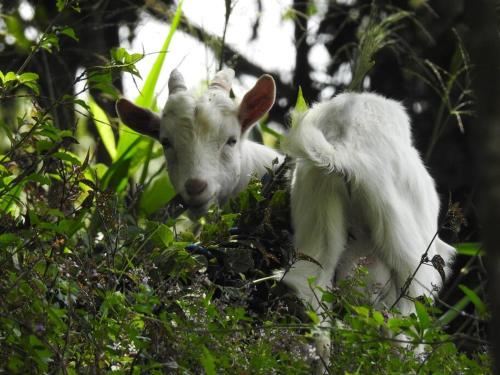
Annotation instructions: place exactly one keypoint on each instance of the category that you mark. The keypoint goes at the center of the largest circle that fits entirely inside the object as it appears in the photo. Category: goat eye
(231, 141)
(166, 143)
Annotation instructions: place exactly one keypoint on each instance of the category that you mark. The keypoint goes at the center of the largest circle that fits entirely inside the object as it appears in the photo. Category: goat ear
(137, 118)
(257, 102)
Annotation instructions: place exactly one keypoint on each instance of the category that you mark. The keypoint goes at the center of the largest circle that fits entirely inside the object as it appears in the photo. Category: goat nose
(195, 186)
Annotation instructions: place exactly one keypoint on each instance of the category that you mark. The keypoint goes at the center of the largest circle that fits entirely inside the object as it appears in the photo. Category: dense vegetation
(98, 273)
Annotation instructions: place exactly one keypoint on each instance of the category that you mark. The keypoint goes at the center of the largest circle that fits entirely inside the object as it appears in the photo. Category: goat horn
(222, 80)
(176, 82)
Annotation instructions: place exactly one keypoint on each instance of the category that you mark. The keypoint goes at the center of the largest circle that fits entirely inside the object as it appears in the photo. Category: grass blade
(103, 126)
(146, 99)
(129, 138)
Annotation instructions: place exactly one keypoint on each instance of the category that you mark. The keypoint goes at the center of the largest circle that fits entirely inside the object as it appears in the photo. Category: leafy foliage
(95, 276)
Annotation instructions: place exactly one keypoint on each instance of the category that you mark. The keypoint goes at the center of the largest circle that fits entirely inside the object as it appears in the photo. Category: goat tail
(307, 142)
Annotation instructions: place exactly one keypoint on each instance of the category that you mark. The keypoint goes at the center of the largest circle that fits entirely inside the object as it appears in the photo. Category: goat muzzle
(195, 186)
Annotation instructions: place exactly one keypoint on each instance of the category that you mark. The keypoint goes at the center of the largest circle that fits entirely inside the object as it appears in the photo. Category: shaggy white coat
(360, 189)
(205, 138)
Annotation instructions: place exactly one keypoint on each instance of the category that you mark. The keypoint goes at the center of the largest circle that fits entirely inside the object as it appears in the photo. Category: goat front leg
(318, 215)
(297, 278)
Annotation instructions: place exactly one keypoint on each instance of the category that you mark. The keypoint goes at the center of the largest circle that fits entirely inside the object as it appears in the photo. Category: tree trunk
(484, 45)
(301, 75)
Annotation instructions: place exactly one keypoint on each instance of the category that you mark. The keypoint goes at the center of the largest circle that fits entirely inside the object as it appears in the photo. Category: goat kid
(357, 172)
(209, 158)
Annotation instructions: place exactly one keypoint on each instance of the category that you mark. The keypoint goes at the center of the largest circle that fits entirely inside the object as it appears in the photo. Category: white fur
(198, 130)
(209, 157)
(358, 172)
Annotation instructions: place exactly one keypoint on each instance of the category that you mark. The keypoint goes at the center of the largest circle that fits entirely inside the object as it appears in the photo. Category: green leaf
(104, 128)
(7, 239)
(207, 361)
(102, 80)
(148, 90)
(127, 136)
(33, 86)
(423, 316)
(378, 317)
(327, 297)
(60, 4)
(68, 31)
(67, 157)
(454, 311)
(41, 179)
(301, 104)
(163, 236)
(470, 248)
(300, 107)
(10, 76)
(28, 77)
(50, 42)
(69, 226)
(314, 317)
(157, 194)
(362, 311)
(125, 61)
(475, 299)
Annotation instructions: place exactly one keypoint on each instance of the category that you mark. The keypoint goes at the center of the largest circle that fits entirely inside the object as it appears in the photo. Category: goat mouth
(178, 205)
(195, 212)
(197, 209)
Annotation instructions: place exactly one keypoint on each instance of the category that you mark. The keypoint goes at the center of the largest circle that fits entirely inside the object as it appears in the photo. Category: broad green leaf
(104, 128)
(156, 195)
(163, 236)
(469, 248)
(28, 77)
(423, 316)
(208, 362)
(50, 42)
(148, 90)
(378, 317)
(9, 239)
(66, 156)
(33, 86)
(362, 311)
(146, 99)
(40, 178)
(68, 31)
(475, 299)
(126, 61)
(116, 176)
(327, 297)
(10, 76)
(314, 317)
(102, 80)
(7, 202)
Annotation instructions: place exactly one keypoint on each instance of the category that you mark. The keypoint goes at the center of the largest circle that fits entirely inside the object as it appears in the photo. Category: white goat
(358, 172)
(209, 157)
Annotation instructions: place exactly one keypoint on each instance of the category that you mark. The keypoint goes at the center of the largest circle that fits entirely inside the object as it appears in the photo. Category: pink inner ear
(257, 102)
